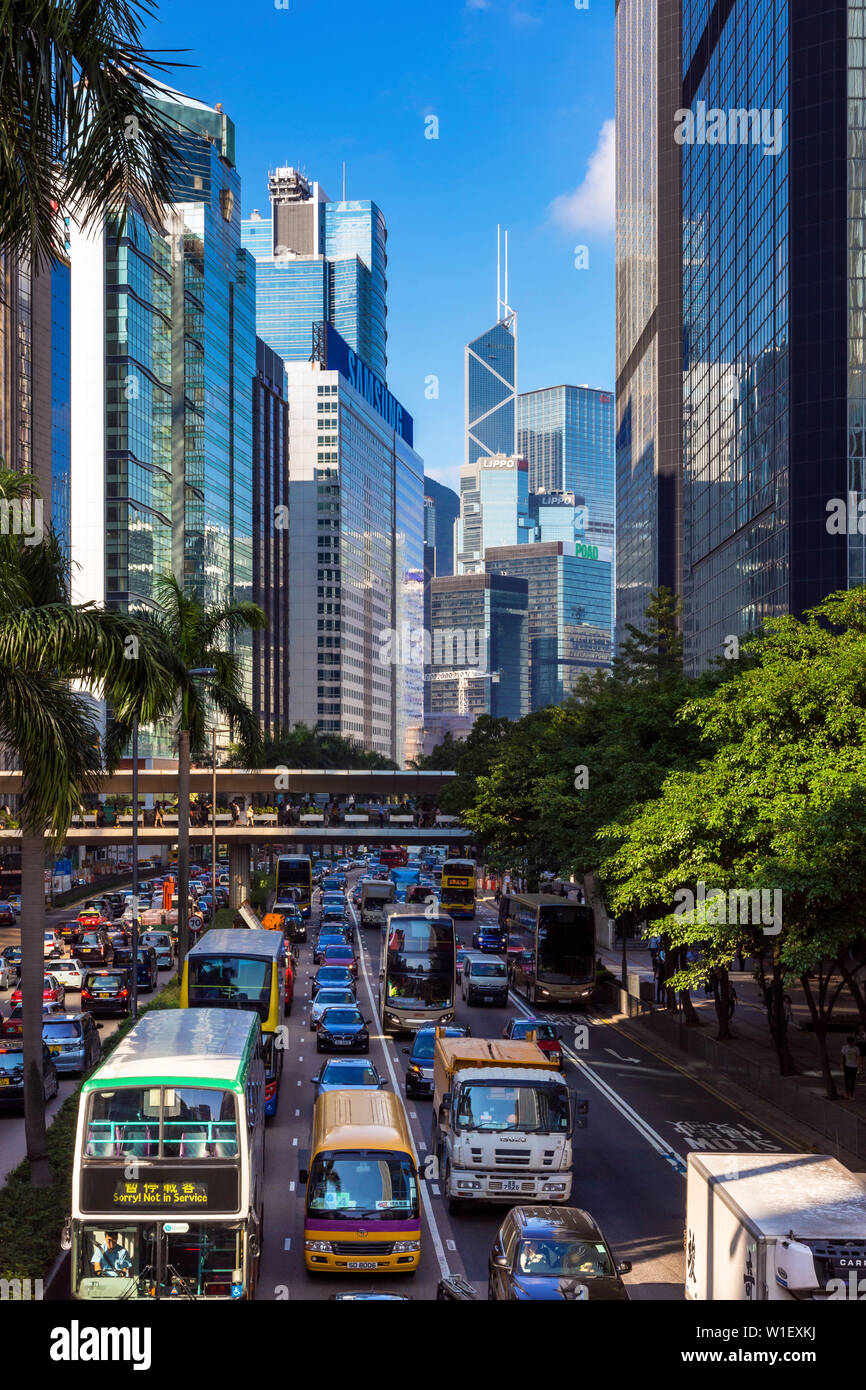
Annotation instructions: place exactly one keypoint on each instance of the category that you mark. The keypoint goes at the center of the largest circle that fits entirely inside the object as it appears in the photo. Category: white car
(69, 972)
(49, 942)
(8, 975)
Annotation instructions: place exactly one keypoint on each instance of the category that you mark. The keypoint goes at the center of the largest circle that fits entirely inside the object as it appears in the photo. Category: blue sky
(523, 93)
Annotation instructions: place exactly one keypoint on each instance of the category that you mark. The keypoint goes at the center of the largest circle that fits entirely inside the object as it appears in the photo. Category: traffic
(396, 1101)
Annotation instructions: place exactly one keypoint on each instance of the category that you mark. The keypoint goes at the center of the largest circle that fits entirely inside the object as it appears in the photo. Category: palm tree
(46, 643)
(201, 671)
(77, 127)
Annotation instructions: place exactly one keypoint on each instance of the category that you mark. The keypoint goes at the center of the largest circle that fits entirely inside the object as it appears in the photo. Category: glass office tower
(490, 381)
(569, 609)
(271, 539)
(565, 433)
(319, 261)
(774, 324)
(494, 509)
(480, 633)
(648, 320)
(442, 510)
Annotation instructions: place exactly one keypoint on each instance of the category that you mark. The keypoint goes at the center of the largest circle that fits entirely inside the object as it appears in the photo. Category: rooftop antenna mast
(504, 312)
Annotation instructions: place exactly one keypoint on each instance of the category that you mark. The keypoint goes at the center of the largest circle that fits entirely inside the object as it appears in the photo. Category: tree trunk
(819, 1023)
(721, 999)
(183, 850)
(778, 1022)
(32, 970)
(849, 976)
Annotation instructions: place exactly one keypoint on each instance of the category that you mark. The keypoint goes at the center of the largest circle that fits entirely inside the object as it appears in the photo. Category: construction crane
(463, 677)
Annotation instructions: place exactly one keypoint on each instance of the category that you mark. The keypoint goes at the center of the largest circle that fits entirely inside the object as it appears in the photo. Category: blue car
(342, 1029)
(419, 1072)
(347, 1074)
(489, 938)
(334, 883)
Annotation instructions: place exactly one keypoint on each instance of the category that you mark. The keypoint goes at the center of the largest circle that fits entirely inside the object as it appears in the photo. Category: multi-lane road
(629, 1163)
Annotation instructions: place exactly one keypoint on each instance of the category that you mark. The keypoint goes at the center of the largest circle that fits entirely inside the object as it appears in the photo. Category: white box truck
(771, 1227)
(503, 1120)
(375, 897)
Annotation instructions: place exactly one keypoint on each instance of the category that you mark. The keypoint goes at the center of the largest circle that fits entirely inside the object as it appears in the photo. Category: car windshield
(334, 974)
(341, 952)
(538, 1108)
(574, 1259)
(369, 1184)
(341, 1018)
(425, 1045)
(231, 981)
(488, 968)
(542, 1030)
(57, 1032)
(327, 997)
(91, 938)
(11, 1058)
(103, 982)
(339, 1074)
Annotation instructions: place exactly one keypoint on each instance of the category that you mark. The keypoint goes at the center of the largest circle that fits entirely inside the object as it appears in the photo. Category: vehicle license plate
(510, 1185)
(103, 996)
(361, 1264)
(54, 1049)
(488, 998)
(342, 1042)
(4, 1080)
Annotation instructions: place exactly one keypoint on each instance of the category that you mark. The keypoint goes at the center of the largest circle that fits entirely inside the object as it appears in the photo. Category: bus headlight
(321, 1247)
(404, 1247)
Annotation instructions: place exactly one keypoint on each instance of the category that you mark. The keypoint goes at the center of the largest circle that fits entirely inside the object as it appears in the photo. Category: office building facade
(271, 648)
(649, 347)
(35, 386)
(480, 634)
(566, 435)
(494, 509)
(491, 392)
(356, 552)
(569, 611)
(163, 356)
(319, 261)
(441, 510)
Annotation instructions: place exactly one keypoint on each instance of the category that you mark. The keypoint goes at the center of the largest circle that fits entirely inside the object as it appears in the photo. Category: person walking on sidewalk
(661, 991)
(732, 1001)
(850, 1065)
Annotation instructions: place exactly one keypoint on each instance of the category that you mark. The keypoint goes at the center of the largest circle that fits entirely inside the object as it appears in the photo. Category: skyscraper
(479, 646)
(565, 433)
(163, 356)
(356, 551)
(319, 261)
(494, 509)
(271, 650)
(648, 319)
(442, 508)
(491, 379)
(569, 611)
(746, 315)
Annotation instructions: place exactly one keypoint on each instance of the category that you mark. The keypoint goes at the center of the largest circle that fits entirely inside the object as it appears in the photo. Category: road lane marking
(425, 1196)
(287, 1243)
(653, 1138)
(635, 1060)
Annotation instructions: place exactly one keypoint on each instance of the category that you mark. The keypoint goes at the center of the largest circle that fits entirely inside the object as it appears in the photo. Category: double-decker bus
(362, 1209)
(167, 1182)
(418, 974)
(551, 947)
(294, 882)
(457, 887)
(393, 856)
(246, 970)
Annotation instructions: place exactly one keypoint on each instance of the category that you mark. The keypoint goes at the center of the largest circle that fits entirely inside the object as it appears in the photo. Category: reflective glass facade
(440, 516)
(491, 412)
(569, 611)
(346, 285)
(271, 539)
(494, 509)
(648, 448)
(565, 433)
(60, 403)
(480, 628)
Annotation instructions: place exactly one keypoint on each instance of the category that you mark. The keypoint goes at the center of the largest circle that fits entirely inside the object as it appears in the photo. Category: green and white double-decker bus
(167, 1183)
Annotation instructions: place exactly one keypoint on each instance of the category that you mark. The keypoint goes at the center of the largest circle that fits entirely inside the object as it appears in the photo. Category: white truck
(503, 1119)
(771, 1227)
(375, 897)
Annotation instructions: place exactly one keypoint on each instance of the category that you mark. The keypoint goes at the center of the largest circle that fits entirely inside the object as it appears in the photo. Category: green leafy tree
(199, 636)
(46, 643)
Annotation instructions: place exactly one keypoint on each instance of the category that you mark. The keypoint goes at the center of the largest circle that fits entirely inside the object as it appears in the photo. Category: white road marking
(287, 1243)
(653, 1138)
(425, 1197)
(436, 1188)
(297, 1112)
(295, 1143)
(291, 1187)
(635, 1060)
(451, 1245)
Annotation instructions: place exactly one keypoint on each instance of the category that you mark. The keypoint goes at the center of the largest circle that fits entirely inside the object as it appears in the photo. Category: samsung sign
(342, 359)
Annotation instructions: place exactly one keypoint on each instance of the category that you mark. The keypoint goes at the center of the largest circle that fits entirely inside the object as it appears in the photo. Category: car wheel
(319, 1045)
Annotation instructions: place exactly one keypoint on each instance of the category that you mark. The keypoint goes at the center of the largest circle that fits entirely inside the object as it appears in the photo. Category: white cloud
(591, 206)
(478, 4)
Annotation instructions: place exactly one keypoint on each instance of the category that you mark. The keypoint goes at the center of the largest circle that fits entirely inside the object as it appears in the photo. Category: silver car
(73, 1042)
(324, 999)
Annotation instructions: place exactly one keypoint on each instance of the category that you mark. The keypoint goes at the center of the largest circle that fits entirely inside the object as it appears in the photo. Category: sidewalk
(750, 1031)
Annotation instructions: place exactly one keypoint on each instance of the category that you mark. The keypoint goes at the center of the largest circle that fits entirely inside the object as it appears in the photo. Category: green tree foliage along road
(751, 777)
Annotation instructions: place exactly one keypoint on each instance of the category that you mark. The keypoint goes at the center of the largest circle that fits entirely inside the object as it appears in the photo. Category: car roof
(67, 1017)
(537, 1222)
(349, 1061)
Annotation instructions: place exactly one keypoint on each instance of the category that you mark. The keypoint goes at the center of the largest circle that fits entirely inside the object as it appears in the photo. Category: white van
(484, 979)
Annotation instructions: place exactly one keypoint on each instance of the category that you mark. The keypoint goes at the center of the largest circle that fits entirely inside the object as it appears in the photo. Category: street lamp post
(183, 826)
(214, 732)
